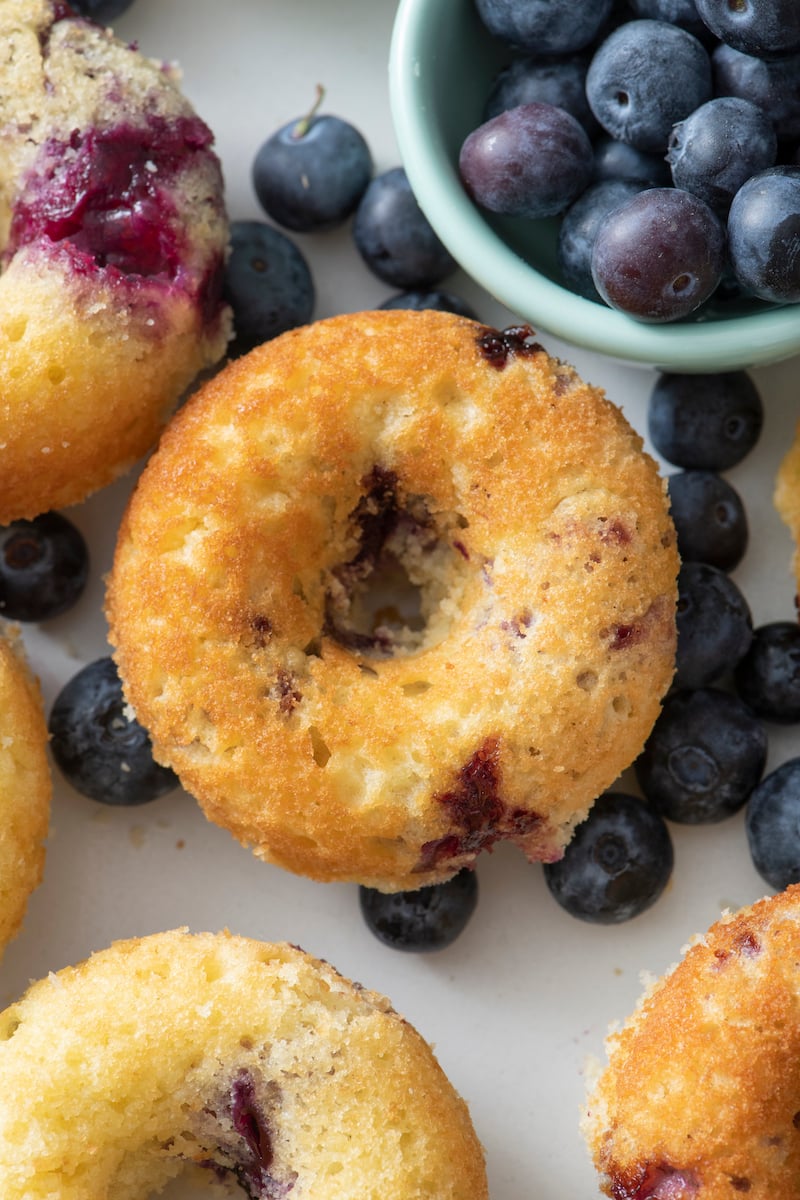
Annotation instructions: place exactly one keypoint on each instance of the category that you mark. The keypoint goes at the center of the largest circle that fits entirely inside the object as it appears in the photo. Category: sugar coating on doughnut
(247, 1062)
(112, 240)
(700, 1096)
(340, 739)
(25, 786)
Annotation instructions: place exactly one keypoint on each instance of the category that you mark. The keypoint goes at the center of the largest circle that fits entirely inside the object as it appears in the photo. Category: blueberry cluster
(314, 174)
(665, 135)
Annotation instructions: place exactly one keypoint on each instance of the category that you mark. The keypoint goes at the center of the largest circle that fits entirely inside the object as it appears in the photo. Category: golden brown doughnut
(25, 786)
(112, 236)
(252, 1062)
(700, 1096)
(519, 502)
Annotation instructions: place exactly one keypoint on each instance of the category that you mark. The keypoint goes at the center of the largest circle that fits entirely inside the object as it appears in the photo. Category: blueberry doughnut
(393, 587)
(699, 1097)
(112, 239)
(787, 497)
(25, 786)
(237, 1060)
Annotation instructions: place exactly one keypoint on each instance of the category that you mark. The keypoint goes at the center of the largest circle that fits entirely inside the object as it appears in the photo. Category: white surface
(518, 1003)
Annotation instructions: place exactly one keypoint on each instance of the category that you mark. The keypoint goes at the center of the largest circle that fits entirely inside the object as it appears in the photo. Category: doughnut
(787, 497)
(237, 1060)
(393, 587)
(25, 786)
(699, 1097)
(112, 240)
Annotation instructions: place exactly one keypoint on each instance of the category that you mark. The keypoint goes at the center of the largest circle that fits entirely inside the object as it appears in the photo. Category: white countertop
(517, 1005)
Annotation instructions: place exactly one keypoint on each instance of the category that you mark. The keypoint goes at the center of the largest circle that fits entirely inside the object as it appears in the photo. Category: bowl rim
(731, 343)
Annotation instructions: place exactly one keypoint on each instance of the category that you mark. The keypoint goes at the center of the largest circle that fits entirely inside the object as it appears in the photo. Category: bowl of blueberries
(623, 174)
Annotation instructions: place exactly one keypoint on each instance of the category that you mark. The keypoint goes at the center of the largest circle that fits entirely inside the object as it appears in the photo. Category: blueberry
(703, 758)
(763, 28)
(558, 81)
(545, 26)
(715, 627)
(395, 238)
(44, 566)
(709, 519)
(659, 256)
(101, 11)
(768, 677)
(578, 231)
(675, 12)
(618, 160)
(531, 161)
(709, 422)
(311, 173)
(268, 285)
(772, 825)
(430, 918)
(643, 78)
(437, 300)
(101, 750)
(718, 147)
(764, 232)
(773, 86)
(618, 863)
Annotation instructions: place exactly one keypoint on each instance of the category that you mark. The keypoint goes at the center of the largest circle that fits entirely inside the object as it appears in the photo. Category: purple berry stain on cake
(108, 196)
(655, 1182)
(477, 812)
(499, 345)
(251, 1156)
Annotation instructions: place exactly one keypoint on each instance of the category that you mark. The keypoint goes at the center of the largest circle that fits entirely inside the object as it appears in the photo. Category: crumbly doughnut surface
(336, 738)
(112, 237)
(700, 1096)
(25, 787)
(252, 1062)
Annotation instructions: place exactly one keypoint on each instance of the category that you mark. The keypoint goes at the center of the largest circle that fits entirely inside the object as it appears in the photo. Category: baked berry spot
(517, 341)
(655, 1182)
(249, 1157)
(109, 195)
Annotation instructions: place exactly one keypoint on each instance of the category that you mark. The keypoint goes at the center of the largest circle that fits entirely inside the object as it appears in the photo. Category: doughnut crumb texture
(699, 1096)
(25, 785)
(396, 586)
(221, 1058)
(112, 242)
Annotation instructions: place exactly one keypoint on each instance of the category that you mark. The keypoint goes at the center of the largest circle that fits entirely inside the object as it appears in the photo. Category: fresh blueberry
(44, 566)
(268, 285)
(772, 824)
(618, 160)
(763, 28)
(773, 86)
(543, 27)
(659, 256)
(438, 300)
(703, 758)
(674, 12)
(101, 750)
(395, 238)
(714, 623)
(531, 161)
(101, 11)
(643, 78)
(558, 81)
(708, 422)
(764, 233)
(618, 863)
(430, 918)
(718, 147)
(311, 173)
(578, 231)
(768, 677)
(709, 518)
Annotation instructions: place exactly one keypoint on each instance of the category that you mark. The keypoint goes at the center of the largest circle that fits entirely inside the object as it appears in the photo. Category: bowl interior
(442, 63)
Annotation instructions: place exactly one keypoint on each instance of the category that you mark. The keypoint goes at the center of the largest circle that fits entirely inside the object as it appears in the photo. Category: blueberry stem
(301, 127)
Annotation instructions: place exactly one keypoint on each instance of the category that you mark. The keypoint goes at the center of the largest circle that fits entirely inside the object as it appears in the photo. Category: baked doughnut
(250, 601)
(25, 786)
(787, 497)
(699, 1097)
(256, 1063)
(112, 237)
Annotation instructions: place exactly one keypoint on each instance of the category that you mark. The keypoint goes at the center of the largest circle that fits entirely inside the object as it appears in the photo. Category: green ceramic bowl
(441, 65)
